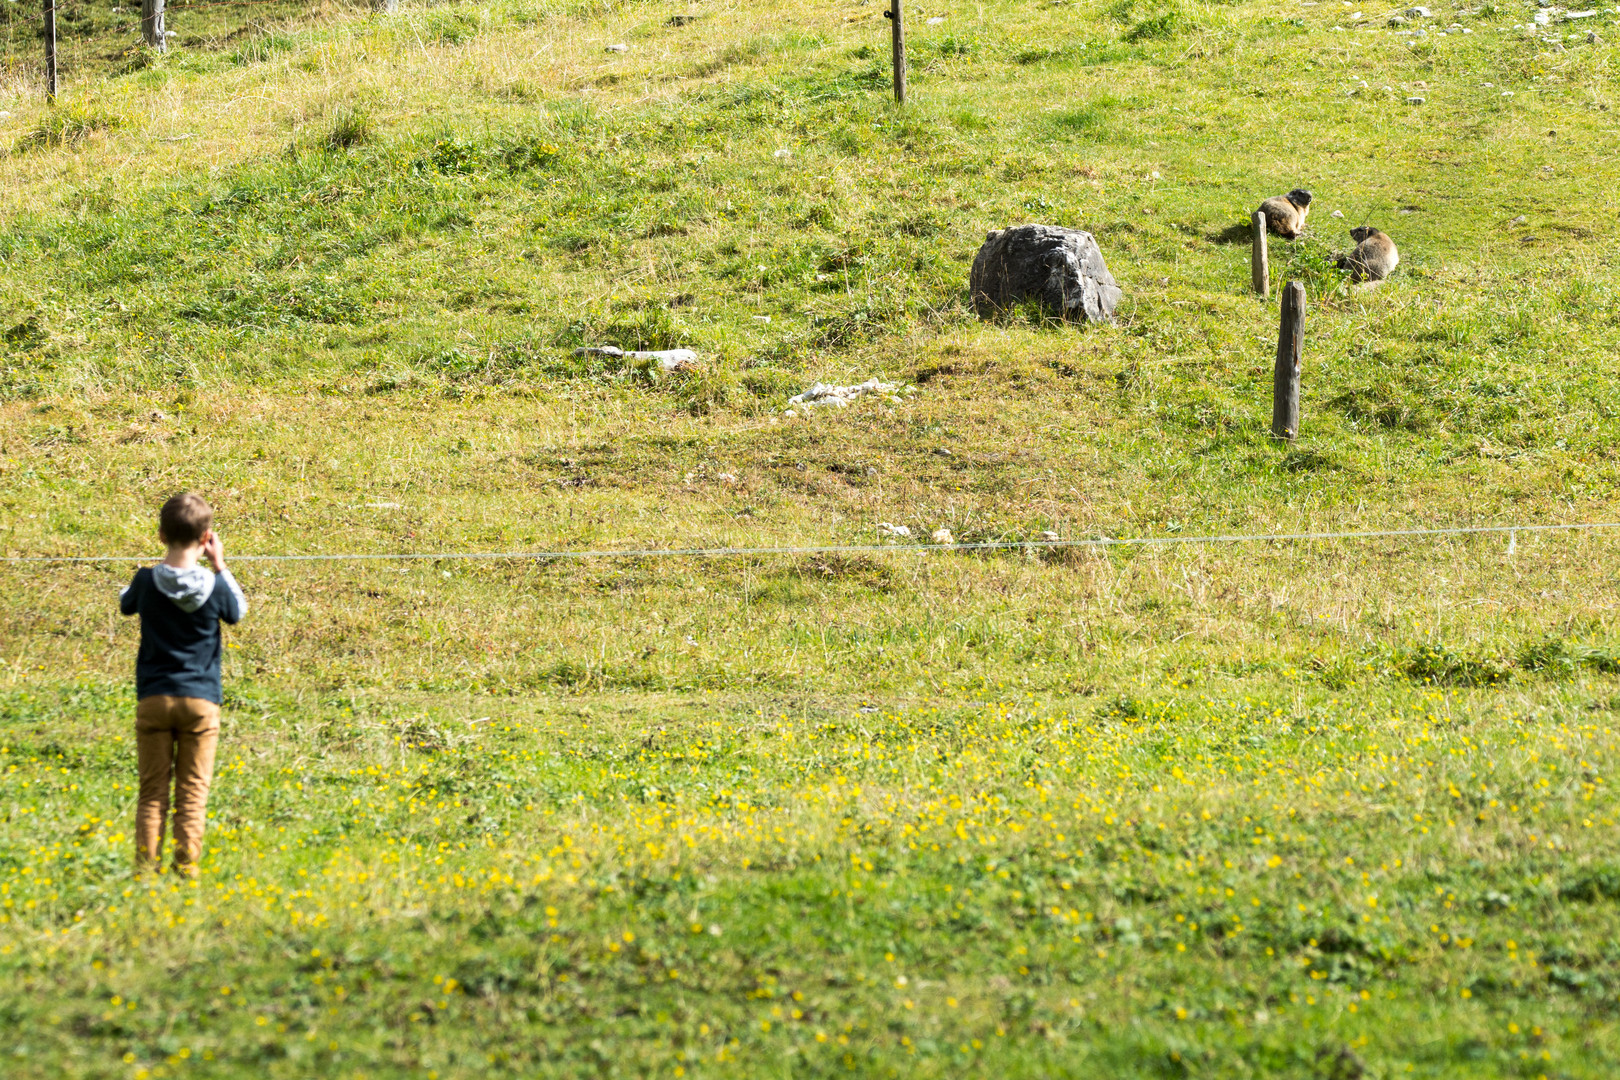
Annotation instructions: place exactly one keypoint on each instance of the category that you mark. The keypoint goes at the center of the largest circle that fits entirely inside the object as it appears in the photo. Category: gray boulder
(1060, 268)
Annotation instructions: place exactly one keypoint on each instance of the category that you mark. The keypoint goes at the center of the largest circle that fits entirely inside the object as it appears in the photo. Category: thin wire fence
(1511, 531)
(107, 46)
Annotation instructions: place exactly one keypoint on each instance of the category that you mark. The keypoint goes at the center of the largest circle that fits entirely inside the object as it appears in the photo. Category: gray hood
(187, 589)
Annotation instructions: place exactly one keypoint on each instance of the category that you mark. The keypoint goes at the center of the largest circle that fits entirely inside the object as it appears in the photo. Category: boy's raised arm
(236, 605)
(127, 598)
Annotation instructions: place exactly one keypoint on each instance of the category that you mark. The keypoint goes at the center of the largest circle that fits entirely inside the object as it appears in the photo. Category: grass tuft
(67, 127)
(1162, 25)
(350, 127)
(262, 48)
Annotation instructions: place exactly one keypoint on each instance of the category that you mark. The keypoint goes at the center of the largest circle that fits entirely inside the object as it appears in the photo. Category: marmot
(1285, 214)
(1374, 257)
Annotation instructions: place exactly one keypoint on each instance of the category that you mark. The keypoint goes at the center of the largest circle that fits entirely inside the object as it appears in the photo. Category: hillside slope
(1326, 808)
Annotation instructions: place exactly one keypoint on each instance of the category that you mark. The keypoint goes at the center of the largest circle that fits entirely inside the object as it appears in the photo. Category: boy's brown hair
(185, 518)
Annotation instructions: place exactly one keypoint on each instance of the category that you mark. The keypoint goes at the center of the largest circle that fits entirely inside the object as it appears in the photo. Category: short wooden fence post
(50, 51)
(897, 15)
(152, 31)
(1259, 268)
(1290, 351)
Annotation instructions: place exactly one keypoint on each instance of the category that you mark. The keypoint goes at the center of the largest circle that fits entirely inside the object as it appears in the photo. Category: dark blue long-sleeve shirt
(180, 614)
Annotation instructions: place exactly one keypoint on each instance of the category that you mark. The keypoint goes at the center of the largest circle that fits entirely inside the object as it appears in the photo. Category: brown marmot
(1374, 257)
(1286, 214)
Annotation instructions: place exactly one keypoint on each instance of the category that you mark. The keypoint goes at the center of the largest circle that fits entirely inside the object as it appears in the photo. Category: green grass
(1318, 809)
(1170, 883)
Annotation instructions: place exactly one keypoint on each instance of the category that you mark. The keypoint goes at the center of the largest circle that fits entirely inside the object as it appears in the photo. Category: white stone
(838, 397)
(666, 359)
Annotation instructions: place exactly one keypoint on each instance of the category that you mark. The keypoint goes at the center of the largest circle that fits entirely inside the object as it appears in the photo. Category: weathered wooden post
(388, 7)
(897, 15)
(1259, 268)
(50, 51)
(1285, 377)
(152, 25)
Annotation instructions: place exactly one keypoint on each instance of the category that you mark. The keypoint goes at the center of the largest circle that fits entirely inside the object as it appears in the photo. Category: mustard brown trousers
(175, 739)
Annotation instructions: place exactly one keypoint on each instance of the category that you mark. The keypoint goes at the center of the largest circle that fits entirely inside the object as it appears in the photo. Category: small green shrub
(1598, 883)
(461, 157)
(350, 127)
(455, 157)
(1310, 260)
(629, 328)
(1554, 656)
(1160, 24)
(707, 390)
(1041, 54)
(451, 27)
(651, 328)
(527, 155)
(1088, 120)
(1438, 664)
(1161, 27)
(68, 127)
(27, 334)
(137, 57)
(262, 48)
(1384, 406)
(260, 304)
(772, 383)
(951, 46)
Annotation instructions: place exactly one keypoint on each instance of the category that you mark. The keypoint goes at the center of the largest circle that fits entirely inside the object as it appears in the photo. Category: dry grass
(505, 474)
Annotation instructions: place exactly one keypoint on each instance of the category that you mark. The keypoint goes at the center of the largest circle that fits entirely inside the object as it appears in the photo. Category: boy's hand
(214, 549)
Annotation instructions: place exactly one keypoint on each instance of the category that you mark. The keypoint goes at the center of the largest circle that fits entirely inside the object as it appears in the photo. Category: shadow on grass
(1241, 232)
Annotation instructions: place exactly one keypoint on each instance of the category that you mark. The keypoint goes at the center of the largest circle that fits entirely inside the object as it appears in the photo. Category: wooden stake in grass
(1290, 350)
(152, 25)
(386, 6)
(896, 15)
(1259, 270)
(50, 51)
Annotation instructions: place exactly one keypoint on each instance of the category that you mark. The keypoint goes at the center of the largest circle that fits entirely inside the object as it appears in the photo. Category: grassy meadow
(1328, 809)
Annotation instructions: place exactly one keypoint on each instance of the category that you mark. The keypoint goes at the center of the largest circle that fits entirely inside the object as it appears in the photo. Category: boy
(177, 684)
